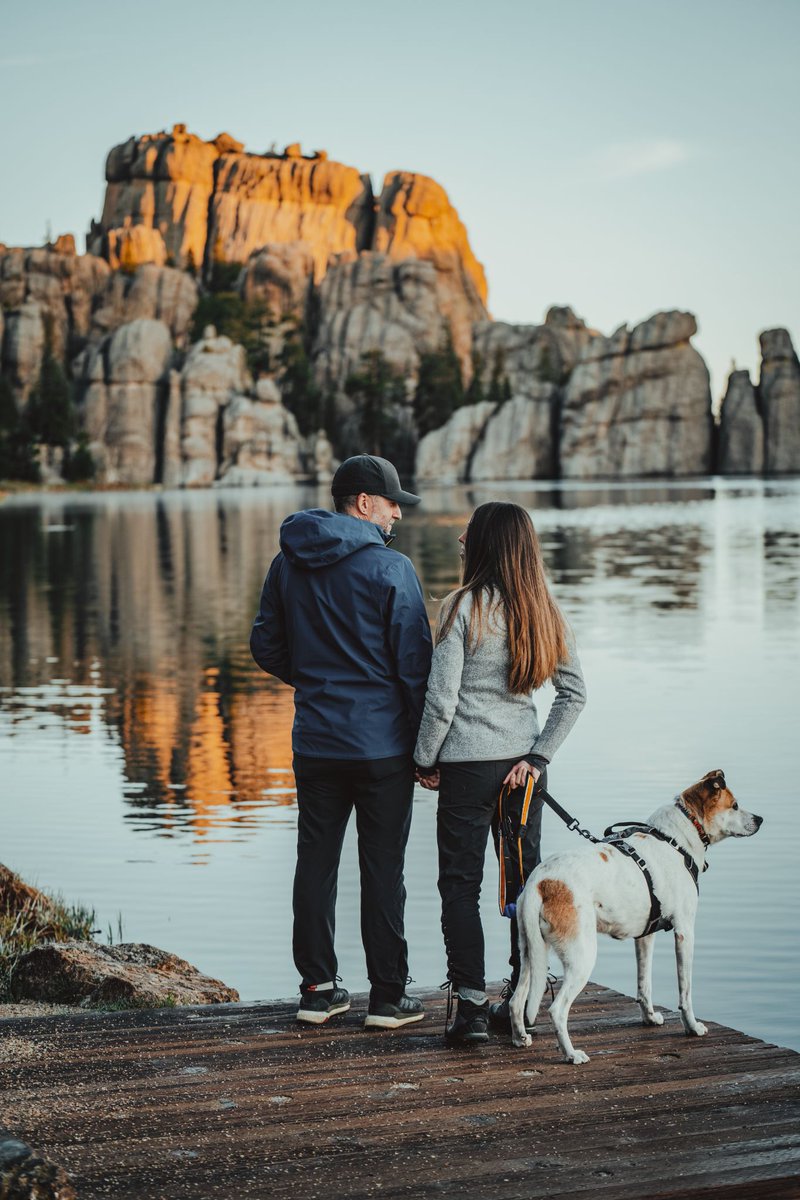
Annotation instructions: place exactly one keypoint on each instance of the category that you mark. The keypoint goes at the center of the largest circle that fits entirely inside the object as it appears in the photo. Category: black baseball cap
(373, 475)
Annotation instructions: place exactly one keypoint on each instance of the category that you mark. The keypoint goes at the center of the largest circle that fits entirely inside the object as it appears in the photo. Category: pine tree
(440, 390)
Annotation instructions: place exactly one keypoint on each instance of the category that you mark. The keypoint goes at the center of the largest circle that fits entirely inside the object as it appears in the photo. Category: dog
(570, 898)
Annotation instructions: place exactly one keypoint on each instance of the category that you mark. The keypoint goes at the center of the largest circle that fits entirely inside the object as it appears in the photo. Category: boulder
(518, 441)
(134, 975)
(527, 355)
(443, 455)
(128, 246)
(779, 390)
(214, 372)
(260, 439)
(28, 1174)
(638, 404)
(741, 431)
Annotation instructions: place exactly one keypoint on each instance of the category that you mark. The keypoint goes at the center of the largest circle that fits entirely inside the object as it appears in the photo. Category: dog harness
(511, 864)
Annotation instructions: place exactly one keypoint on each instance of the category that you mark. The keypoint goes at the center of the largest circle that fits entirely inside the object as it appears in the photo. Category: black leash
(656, 921)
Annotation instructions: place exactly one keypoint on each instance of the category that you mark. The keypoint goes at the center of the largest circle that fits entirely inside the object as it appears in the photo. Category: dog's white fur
(570, 898)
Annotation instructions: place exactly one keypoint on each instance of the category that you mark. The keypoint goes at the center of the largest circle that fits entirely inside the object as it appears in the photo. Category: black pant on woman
(468, 794)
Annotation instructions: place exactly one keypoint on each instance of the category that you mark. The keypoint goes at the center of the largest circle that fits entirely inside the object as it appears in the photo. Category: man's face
(384, 512)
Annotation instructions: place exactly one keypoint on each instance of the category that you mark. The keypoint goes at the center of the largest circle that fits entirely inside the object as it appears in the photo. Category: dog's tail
(532, 955)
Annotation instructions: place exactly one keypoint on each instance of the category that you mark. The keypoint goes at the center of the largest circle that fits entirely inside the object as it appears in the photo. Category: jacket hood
(317, 538)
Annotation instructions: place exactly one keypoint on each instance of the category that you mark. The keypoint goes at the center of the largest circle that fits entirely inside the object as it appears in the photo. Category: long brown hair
(502, 554)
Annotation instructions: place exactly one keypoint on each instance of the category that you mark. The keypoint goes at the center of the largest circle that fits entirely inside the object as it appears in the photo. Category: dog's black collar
(704, 838)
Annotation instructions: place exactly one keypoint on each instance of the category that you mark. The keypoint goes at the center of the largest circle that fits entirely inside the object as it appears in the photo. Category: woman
(500, 637)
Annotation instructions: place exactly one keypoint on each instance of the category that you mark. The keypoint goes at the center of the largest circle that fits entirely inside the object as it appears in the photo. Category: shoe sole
(469, 1039)
(373, 1022)
(310, 1017)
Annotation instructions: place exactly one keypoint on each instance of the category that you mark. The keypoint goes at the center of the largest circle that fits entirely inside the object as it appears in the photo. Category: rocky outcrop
(262, 199)
(122, 384)
(28, 1174)
(279, 277)
(134, 975)
(65, 286)
(200, 203)
(371, 303)
(779, 390)
(155, 293)
(741, 432)
(162, 183)
(23, 347)
(215, 372)
(443, 455)
(638, 403)
(260, 439)
(415, 219)
(518, 441)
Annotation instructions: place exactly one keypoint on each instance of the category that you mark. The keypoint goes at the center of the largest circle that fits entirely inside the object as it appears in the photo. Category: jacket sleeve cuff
(426, 770)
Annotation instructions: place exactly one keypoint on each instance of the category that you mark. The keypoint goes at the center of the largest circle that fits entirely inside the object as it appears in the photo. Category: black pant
(381, 792)
(468, 794)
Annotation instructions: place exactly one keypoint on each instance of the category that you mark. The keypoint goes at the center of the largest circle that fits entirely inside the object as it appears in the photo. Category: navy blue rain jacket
(342, 620)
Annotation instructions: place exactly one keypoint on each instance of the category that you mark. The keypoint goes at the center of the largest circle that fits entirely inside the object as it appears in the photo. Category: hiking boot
(500, 1013)
(470, 1025)
(316, 1005)
(391, 1014)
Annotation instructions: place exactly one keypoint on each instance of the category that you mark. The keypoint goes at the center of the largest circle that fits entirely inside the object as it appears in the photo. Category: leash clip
(573, 825)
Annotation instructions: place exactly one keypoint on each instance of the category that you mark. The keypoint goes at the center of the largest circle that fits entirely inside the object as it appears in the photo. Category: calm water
(145, 762)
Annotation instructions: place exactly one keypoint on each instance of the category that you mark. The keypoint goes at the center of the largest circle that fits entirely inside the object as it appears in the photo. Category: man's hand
(519, 773)
(429, 782)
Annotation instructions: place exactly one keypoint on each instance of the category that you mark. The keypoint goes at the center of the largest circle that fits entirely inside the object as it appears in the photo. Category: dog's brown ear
(705, 792)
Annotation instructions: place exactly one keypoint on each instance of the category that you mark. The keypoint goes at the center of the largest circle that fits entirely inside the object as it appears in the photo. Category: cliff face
(173, 197)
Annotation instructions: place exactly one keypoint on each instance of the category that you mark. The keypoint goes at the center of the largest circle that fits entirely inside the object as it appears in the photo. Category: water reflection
(124, 618)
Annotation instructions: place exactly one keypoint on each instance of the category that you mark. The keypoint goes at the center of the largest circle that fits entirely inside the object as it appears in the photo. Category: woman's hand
(429, 782)
(519, 773)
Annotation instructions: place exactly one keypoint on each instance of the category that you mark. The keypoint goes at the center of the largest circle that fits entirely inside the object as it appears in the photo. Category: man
(342, 620)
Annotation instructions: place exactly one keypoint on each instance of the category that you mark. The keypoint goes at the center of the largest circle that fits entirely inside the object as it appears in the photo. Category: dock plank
(238, 1101)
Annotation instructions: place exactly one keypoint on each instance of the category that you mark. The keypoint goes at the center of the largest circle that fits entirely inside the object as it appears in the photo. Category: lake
(145, 761)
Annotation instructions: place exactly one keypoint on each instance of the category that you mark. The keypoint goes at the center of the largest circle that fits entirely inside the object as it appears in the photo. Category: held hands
(429, 782)
(519, 773)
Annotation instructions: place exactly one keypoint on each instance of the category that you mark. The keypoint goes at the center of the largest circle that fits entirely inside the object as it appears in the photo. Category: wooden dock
(237, 1101)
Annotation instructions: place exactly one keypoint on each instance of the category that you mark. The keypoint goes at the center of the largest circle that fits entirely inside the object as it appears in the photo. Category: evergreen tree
(475, 393)
(51, 413)
(379, 394)
(499, 386)
(299, 392)
(17, 447)
(440, 390)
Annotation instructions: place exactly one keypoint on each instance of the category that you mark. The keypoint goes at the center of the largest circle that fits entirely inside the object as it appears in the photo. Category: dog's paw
(699, 1030)
(522, 1043)
(653, 1018)
(577, 1057)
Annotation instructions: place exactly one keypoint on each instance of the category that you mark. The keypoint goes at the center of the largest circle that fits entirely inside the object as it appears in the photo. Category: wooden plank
(238, 1101)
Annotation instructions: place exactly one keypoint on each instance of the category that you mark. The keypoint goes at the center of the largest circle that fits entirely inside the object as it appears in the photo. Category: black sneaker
(386, 1014)
(470, 1025)
(500, 1013)
(317, 1006)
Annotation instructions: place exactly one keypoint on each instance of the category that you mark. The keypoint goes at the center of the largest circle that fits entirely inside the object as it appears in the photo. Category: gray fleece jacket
(469, 713)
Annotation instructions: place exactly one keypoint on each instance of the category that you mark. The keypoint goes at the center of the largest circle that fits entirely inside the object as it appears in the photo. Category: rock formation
(92, 975)
(371, 303)
(779, 389)
(638, 403)
(518, 441)
(157, 293)
(443, 455)
(214, 374)
(741, 431)
(260, 439)
(279, 276)
(122, 382)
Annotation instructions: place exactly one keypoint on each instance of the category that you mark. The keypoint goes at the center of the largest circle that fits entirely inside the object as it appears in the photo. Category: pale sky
(620, 157)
